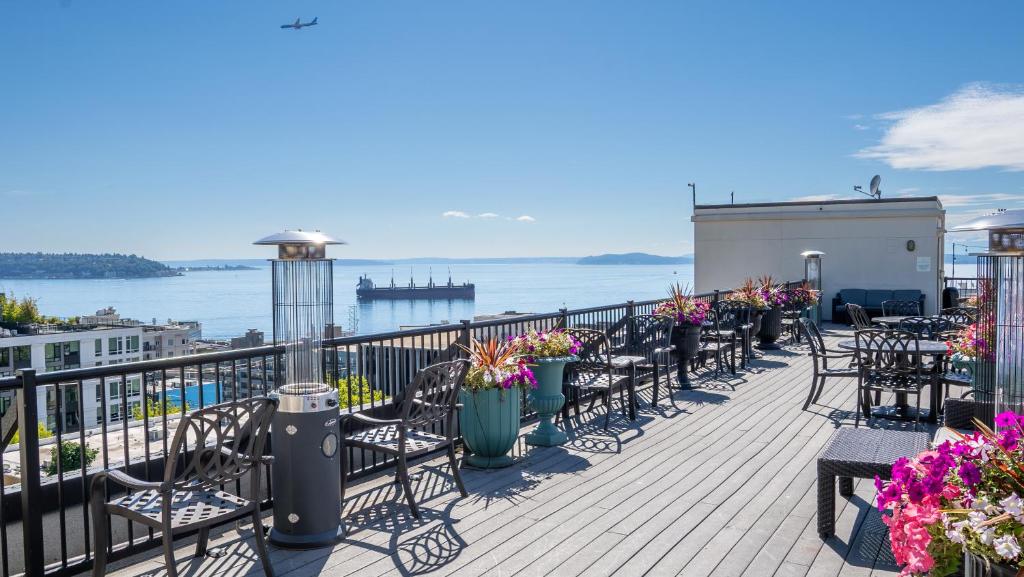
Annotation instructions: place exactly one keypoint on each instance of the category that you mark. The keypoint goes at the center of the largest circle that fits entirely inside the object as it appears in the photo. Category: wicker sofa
(871, 300)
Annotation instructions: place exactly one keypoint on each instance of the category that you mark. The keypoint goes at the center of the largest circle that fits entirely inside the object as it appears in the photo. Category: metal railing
(44, 517)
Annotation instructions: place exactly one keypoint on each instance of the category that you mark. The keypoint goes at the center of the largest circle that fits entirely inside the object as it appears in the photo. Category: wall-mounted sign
(924, 264)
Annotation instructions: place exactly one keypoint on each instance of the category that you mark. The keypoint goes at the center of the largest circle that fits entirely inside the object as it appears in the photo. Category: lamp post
(812, 276)
(999, 376)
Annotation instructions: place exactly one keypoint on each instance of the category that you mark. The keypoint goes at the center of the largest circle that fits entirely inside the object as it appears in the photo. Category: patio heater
(999, 368)
(812, 276)
(305, 435)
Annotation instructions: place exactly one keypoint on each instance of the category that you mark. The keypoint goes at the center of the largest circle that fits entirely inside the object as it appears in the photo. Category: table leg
(826, 503)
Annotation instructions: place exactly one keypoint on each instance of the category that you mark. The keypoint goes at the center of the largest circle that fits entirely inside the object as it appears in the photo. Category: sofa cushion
(854, 296)
(874, 298)
(906, 295)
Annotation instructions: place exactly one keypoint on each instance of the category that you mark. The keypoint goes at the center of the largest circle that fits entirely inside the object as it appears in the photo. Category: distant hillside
(635, 258)
(72, 265)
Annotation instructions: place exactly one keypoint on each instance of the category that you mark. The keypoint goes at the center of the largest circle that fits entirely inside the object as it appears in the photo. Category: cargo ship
(366, 290)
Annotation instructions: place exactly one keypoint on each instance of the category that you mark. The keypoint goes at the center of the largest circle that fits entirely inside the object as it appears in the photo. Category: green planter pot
(547, 399)
(962, 362)
(489, 421)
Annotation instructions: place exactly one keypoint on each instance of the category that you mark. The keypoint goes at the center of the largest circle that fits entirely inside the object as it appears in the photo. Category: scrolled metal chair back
(858, 316)
(432, 395)
(649, 333)
(960, 317)
(901, 308)
(595, 349)
(731, 315)
(887, 352)
(227, 442)
(814, 338)
(924, 327)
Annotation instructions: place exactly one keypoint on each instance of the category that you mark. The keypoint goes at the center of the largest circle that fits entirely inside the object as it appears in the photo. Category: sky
(188, 129)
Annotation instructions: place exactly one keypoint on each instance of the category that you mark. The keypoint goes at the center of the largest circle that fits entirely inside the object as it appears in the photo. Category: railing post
(464, 335)
(714, 303)
(31, 492)
(563, 318)
(630, 311)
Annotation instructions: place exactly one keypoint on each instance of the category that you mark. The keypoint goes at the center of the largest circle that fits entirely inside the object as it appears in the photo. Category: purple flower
(1006, 419)
(969, 473)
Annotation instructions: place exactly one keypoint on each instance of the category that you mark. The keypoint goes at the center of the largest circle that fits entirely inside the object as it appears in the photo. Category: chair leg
(403, 477)
(657, 379)
(860, 404)
(810, 395)
(168, 538)
(455, 470)
(261, 543)
(100, 520)
(821, 387)
(608, 410)
(202, 541)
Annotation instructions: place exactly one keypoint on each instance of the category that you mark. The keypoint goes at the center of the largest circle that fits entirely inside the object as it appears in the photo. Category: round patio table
(894, 321)
(902, 411)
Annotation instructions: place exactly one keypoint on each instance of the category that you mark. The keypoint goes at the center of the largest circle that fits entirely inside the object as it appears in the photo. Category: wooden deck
(718, 481)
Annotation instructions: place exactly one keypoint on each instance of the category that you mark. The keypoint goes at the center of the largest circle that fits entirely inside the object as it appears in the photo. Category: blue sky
(187, 129)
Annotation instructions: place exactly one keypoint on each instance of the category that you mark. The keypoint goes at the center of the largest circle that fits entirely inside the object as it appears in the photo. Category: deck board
(719, 481)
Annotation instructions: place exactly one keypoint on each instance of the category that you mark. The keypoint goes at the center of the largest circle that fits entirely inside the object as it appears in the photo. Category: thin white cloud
(526, 218)
(818, 197)
(955, 200)
(487, 215)
(979, 126)
(454, 214)
(861, 126)
(19, 193)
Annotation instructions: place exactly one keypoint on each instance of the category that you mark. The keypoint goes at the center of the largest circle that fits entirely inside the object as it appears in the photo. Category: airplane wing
(298, 22)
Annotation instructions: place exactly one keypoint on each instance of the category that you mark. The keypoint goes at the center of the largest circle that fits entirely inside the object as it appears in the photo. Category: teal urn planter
(962, 362)
(489, 421)
(547, 399)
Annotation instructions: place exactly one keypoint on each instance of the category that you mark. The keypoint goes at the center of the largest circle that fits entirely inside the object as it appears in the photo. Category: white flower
(1013, 505)
(987, 535)
(955, 536)
(1007, 547)
(976, 518)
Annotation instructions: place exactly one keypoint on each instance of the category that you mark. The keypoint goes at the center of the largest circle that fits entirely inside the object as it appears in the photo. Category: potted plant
(547, 353)
(965, 349)
(491, 401)
(775, 297)
(689, 315)
(959, 506)
(750, 295)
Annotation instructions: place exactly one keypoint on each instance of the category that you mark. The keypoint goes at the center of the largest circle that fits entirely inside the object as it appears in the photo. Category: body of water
(230, 302)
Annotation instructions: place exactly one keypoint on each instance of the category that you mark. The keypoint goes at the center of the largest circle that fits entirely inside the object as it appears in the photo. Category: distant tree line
(40, 265)
(21, 311)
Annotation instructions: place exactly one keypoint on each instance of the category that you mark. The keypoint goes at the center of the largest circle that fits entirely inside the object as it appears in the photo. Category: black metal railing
(44, 516)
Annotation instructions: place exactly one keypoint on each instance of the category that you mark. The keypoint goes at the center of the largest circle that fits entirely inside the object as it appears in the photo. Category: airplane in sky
(299, 25)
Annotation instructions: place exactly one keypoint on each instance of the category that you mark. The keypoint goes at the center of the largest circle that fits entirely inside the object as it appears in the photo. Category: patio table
(894, 321)
(901, 410)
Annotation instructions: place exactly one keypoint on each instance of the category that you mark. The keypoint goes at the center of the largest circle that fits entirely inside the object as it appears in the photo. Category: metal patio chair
(889, 361)
(215, 446)
(925, 327)
(960, 317)
(894, 308)
(737, 317)
(859, 317)
(821, 356)
(650, 338)
(430, 400)
(595, 373)
(716, 341)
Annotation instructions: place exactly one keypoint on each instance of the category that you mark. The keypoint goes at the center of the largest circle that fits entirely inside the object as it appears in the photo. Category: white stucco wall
(865, 244)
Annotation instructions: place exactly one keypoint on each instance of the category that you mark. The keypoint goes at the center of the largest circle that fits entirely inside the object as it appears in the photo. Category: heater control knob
(332, 402)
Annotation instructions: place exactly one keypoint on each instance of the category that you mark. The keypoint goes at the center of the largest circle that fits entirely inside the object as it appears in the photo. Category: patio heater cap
(812, 254)
(1005, 231)
(300, 244)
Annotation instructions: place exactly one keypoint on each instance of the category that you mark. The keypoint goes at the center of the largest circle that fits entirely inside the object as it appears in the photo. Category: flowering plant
(556, 343)
(774, 294)
(497, 365)
(749, 294)
(804, 295)
(968, 342)
(963, 495)
(681, 306)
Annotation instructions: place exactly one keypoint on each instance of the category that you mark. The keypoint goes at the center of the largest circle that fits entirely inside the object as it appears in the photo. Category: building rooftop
(718, 481)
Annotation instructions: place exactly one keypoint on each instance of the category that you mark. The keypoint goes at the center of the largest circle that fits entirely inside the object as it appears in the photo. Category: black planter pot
(686, 339)
(975, 566)
(770, 329)
(756, 316)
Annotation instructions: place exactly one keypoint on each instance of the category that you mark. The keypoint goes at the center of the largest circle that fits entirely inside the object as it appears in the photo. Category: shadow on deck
(719, 481)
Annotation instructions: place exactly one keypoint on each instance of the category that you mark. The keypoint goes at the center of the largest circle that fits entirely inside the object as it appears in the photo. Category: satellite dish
(875, 181)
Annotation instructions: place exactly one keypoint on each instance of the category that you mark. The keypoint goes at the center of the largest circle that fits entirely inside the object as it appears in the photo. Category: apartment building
(101, 339)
